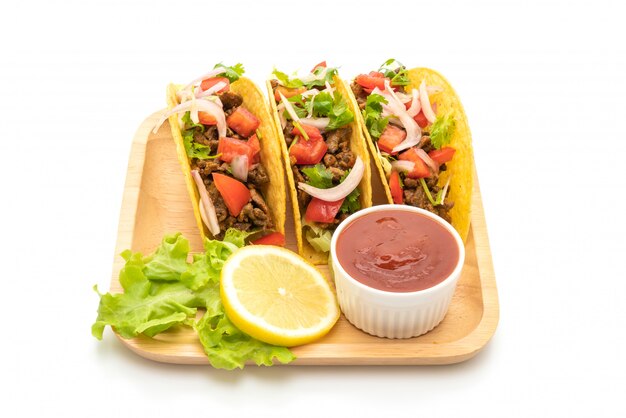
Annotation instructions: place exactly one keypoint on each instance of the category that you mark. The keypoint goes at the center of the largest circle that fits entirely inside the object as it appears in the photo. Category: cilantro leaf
(396, 72)
(192, 148)
(232, 73)
(328, 78)
(339, 115)
(442, 130)
(351, 202)
(319, 176)
(372, 114)
(290, 83)
(322, 104)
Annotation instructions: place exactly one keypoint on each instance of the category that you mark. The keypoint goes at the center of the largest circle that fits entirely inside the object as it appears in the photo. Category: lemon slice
(275, 296)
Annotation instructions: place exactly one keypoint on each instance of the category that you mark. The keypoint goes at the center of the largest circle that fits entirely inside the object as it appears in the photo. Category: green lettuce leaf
(229, 348)
(163, 290)
(192, 148)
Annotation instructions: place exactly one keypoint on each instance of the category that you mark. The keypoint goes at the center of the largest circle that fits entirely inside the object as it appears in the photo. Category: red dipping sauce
(397, 251)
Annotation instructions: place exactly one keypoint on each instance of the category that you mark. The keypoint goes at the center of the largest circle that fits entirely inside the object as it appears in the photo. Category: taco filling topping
(223, 146)
(315, 120)
(411, 138)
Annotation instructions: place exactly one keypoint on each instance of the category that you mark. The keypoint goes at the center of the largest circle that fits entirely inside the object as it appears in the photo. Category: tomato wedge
(308, 152)
(395, 187)
(421, 169)
(369, 82)
(234, 192)
(229, 148)
(322, 211)
(312, 132)
(287, 92)
(275, 238)
(255, 147)
(210, 82)
(421, 120)
(377, 74)
(321, 64)
(390, 138)
(243, 122)
(206, 118)
(442, 155)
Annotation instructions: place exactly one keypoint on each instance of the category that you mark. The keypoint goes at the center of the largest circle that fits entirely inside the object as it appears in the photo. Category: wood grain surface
(155, 202)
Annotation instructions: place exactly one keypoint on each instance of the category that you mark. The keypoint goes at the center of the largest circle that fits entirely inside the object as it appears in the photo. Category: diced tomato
(243, 122)
(308, 152)
(421, 119)
(377, 74)
(287, 92)
(321, 64)
(229, 148)
(255, 147)
(442, 155)
(369, 82)
(421, 169)
(322, 211)
(275, 238)
(390, 138)
(312, 132)
(395, 187)
(206, 118)
(234, 192)
(210, 82)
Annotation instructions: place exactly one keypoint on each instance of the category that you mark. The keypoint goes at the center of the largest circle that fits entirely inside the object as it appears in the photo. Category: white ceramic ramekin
(394, 314)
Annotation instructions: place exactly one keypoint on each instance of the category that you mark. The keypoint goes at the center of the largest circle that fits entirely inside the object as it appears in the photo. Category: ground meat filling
(413, 191)
(255, 214)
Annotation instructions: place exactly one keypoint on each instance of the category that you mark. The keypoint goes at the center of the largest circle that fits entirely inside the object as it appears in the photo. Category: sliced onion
(312, 77)
(239, 164)
(206, 205)
(433, 89)
(212, 73)
(329, 89)
(312, 92)
(415, 104)
(425, 101)
(211, 90)
(413, 131)
(340, 191)
(193, 106)
(445, 190)
(289, 108)
(429, 161)
(403, 166)
(319, 123)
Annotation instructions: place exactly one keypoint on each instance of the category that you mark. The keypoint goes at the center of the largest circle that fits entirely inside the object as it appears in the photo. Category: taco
(227, 147)
(328, 166)
(418, 135)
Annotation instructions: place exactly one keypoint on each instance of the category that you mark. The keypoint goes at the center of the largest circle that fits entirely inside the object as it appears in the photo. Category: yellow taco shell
(461, 166)
(357, 145)
(273, 192)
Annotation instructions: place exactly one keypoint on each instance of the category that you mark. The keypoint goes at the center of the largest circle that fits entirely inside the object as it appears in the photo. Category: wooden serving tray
(156, 202)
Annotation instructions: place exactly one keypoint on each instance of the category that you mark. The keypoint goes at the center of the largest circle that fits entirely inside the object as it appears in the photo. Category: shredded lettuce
(318, 238)
(164, 290)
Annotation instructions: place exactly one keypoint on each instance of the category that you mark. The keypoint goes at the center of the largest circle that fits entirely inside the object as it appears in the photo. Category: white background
(543, 85)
